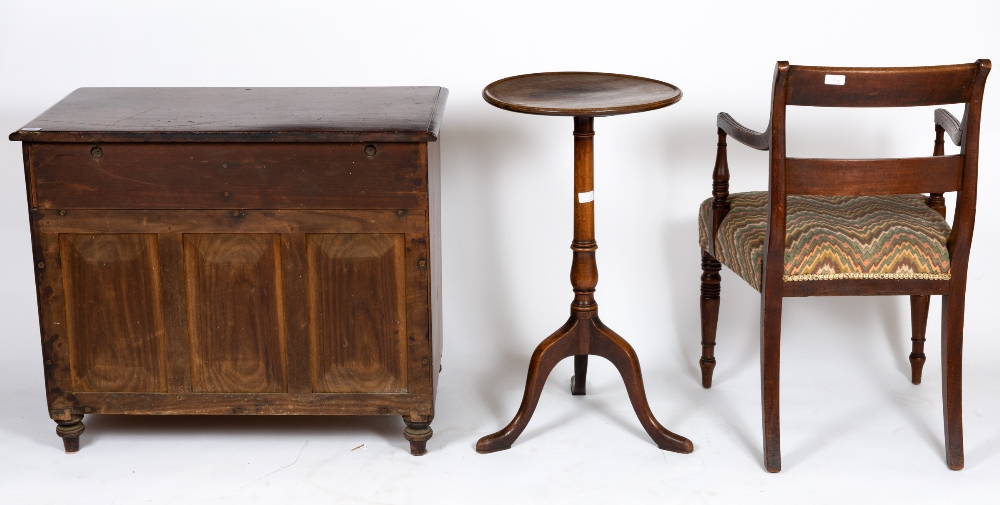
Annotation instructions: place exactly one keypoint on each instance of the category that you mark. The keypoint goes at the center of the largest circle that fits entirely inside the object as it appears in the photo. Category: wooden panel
(235, 312)
(229, 176)
(865, 287)
(937, 174)
(113, 312)
(252, 403)
(881, 87)
(357, 312)
(228, 221)
(387, 114)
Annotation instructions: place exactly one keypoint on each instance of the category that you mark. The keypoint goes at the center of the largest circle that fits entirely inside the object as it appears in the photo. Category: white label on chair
(586, 197)
(31, 129)
(836, 80)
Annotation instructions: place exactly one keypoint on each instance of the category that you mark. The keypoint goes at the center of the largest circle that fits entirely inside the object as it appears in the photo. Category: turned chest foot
(70, 430)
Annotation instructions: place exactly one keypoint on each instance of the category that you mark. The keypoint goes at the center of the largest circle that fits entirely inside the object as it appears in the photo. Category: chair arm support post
(720, 189)
(947, 122)
(936, 200)
(938, 140)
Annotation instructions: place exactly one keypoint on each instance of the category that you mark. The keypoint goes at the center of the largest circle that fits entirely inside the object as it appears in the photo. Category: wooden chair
(803, 237)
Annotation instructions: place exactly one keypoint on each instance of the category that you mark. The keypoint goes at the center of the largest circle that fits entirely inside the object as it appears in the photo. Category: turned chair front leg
(710, 278)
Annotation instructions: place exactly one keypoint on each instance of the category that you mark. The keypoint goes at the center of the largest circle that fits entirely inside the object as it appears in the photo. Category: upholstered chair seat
(835, 237)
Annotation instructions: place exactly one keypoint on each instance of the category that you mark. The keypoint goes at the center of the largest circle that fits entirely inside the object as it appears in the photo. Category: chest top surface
(346, 114)
(580, 94)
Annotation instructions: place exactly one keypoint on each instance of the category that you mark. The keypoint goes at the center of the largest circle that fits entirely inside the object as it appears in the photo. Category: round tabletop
(580, 94)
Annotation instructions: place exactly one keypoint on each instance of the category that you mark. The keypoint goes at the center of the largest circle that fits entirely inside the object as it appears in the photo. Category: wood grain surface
(358, 404)
(388, 114)
(580, 94)
(229, 176)
(881, 87)
(890, 176)
(357, 316)
(115, 324)
(229, 221)
(235, 312)
(865, 287)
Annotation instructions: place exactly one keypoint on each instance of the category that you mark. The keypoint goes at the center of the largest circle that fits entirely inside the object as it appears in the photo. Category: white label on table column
(586, 197)
(836, 80)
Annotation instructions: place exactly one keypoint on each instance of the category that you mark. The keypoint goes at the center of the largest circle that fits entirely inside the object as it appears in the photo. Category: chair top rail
(880, 86)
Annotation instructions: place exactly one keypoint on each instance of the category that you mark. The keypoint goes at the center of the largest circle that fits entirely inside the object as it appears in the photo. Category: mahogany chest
(238, 251)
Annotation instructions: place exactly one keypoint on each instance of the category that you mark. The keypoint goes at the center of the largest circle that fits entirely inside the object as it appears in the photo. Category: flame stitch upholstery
(835, 237)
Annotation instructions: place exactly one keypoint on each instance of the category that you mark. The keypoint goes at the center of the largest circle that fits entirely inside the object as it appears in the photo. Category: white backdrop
(853, 427)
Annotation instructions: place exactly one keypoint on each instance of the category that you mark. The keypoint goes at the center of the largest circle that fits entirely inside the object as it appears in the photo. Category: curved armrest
(744, 135)
(945, 120)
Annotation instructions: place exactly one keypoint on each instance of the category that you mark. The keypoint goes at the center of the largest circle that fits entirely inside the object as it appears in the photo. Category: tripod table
(583, 95)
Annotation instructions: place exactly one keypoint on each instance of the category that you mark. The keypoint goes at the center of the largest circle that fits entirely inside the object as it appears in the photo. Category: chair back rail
(811, 176)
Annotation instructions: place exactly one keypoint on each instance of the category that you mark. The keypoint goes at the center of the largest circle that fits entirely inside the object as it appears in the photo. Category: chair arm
(945, 120)
(744, 135)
